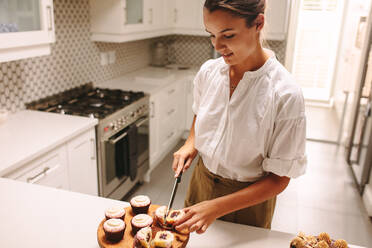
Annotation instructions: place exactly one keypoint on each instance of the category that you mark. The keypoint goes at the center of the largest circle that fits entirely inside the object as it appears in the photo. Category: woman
(249, 124)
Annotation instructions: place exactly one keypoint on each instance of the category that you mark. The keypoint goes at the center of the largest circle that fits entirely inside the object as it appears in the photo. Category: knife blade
(174, 191)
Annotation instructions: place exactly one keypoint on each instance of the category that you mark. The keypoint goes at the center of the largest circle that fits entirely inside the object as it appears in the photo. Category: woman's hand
(183, 157)
(198, 217)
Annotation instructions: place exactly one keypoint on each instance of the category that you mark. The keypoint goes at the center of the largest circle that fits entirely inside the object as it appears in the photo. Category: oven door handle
(141, 121)
(114, 141)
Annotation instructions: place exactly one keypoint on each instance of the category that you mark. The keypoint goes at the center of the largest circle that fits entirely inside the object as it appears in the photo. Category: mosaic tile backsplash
(75, 59)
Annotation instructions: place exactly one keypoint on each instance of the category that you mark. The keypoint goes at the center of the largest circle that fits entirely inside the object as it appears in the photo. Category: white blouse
(260, 129)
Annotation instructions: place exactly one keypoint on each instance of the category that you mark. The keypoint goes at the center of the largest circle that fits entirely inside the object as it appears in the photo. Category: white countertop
(39, 216)
(28, 134)
(149, 79)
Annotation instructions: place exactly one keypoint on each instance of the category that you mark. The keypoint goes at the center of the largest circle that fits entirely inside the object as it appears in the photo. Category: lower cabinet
(82, 163)
(70, 166)
(49, 169)
(167, 119)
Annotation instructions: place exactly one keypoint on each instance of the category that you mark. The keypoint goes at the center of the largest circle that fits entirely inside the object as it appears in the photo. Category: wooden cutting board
(180, 240)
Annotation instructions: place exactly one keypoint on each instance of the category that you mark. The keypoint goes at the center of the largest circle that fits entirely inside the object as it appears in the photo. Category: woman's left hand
(198, 217)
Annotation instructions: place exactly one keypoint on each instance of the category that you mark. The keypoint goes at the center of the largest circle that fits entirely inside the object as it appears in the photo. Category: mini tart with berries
(143, 238)
(323, 240)
(172, 217)
(163, 239)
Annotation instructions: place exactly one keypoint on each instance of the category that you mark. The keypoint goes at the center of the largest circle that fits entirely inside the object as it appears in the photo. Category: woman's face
(230, 36)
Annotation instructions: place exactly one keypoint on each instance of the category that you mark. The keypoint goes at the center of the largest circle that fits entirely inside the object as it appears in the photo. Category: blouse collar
(251, 74)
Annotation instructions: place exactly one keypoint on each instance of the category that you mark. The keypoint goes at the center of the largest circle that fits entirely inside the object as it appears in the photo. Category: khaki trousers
(205, 185)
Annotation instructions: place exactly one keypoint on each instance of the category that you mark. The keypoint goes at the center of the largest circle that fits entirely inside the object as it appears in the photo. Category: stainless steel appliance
(359, 144)
(122, 132)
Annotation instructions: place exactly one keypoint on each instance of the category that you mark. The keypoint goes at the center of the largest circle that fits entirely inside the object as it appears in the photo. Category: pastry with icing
(140, 204)
(115, 213)
(140, 221)
(114, 229)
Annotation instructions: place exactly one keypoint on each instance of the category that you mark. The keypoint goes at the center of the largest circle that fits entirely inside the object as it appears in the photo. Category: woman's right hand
(183, 158)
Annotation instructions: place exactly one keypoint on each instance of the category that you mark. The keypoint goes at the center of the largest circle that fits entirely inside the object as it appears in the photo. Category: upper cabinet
(277, 17)
(127, 20)
(26, 28)
(187, 17)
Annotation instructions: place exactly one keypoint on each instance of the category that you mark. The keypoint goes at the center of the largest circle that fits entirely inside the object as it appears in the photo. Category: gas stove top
(87, 101)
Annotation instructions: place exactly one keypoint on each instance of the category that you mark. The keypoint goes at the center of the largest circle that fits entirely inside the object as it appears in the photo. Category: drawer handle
(151, 15)
(170, 135)
(93, 157)
(171, 91)
(152, 110)
(175, 15)
(39, 176)
(171, 111)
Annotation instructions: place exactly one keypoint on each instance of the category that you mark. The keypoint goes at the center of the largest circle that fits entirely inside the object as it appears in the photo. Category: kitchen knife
(175, 186)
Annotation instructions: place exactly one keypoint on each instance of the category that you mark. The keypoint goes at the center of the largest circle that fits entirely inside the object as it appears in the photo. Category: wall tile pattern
(75, 60)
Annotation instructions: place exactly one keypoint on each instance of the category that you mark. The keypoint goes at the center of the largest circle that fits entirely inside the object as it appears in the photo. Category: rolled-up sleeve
(287, 154)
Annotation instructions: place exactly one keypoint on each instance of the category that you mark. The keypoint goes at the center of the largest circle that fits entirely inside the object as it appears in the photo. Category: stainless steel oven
(123, 152)
(122, 132)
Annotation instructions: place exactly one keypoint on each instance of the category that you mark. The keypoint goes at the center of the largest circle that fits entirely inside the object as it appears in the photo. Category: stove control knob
(111, 125)
(132, 114)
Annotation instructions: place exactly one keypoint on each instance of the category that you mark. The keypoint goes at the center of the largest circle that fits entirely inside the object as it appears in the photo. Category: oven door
(124, 154)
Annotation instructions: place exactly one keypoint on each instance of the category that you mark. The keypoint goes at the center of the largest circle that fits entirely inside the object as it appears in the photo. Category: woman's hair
(246, 9)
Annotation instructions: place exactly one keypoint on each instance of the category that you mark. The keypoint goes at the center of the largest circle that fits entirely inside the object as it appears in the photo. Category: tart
(163, 239)
(323, 240)
(143, 238)
(172, 217)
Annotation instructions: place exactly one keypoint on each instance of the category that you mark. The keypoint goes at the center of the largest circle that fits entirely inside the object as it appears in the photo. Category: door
(82, 163)
(359, 145)
(25, 23)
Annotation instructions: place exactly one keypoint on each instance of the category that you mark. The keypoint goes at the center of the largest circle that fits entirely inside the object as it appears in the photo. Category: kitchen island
(40, 216)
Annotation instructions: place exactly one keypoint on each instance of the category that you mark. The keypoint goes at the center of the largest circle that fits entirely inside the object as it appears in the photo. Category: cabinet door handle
(50, 17)
(151, 15)
(170, 135)
(152, 110)
(124, 6)
(171, 91)
(171, 111)
(39, 176)
(92, 141)
(175, 15)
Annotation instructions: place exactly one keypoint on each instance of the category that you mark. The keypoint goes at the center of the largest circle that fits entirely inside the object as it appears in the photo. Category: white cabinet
(82, 163)
(70, 166)
(49, 170)
(26, 28)
(277, 14)
(127, 20)
(187, 17)
(166, 120)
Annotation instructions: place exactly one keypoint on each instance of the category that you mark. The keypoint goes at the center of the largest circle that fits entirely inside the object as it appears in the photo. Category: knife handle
(179, 177)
